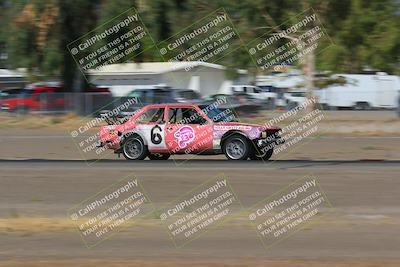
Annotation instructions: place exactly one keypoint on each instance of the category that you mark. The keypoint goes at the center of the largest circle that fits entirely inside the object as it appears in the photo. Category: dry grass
(184, 263)
(67, 121)
(375, 123)
(39, 225)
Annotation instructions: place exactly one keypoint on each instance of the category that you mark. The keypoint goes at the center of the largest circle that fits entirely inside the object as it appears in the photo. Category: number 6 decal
(156, 137)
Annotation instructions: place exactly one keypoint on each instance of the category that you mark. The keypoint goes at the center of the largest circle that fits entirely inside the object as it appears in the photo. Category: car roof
(184, 90)
(178, 105)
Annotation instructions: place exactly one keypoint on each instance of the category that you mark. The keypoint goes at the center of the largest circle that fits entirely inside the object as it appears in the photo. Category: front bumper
(4, 107)
(271, 140)
(107, 144)
(266, 142)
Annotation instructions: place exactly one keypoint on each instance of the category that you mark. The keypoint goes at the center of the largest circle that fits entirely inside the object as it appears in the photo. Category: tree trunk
(308, 66)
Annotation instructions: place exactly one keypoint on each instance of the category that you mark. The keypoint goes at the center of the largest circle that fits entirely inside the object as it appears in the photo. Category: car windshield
(11, 93)
(298, 94)
(188, 94)
(15, 93)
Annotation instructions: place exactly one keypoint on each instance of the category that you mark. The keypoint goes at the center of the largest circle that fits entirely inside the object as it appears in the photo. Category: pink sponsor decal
(185, 135)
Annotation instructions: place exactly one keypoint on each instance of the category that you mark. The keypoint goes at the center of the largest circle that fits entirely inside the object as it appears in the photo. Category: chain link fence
(58, 103)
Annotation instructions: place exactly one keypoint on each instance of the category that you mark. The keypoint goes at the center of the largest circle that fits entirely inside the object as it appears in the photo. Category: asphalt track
(195, 163)
(364, 225)
(37, 189)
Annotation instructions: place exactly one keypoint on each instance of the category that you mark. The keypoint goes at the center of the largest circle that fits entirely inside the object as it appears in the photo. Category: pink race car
(157, 131)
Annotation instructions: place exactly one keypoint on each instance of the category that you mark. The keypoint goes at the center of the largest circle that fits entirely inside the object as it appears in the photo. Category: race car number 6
(156, 137)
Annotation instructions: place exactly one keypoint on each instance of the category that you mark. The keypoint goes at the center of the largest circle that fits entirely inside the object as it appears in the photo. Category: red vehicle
(36, 98)
(157, 131)
(48, 97)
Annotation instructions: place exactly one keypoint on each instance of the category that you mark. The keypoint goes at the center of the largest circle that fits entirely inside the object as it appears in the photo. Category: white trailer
(362, 91)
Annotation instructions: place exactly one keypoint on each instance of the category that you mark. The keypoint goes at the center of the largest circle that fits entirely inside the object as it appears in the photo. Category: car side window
(174, 115)
(185, 116)
(139, 95)
(154, 115)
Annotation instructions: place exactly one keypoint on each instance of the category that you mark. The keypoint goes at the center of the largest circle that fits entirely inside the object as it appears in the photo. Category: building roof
(11, 73)
(151, 67)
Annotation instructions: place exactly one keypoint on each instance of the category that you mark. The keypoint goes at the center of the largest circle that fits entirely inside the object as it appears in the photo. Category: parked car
(157, 131)
(187, 96)
(9, 93)
(243, 104)
(294, 99)
(34, 98)
(164, 95)
(266, 94)
(52, 97)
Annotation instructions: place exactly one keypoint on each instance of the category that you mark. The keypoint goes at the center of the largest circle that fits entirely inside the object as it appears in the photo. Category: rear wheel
(133, 148)
(236, 147)
(157, 156)
(261, 155)
(362, 106)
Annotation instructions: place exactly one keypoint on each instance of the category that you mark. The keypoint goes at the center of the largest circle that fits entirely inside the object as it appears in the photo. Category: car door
(42, 100)
(188, 131)
(151, 125)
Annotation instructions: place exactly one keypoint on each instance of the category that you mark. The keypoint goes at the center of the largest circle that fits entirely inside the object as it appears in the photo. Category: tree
(365, 33)
(77, 17)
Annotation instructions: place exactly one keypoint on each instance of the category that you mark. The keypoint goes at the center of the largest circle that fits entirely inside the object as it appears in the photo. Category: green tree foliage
(365, 33)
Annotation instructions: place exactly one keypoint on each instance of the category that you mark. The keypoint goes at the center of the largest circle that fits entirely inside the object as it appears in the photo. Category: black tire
(362, 106)
(322, 106)
(265, 156)
(367, 106)
(333, 108)
(157, 156)
(236, 147)
(133, 148)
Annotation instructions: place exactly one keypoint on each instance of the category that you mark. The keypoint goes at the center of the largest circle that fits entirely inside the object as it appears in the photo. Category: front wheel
(262, 155)
(157, 156)
(134, 148)
(236, 147)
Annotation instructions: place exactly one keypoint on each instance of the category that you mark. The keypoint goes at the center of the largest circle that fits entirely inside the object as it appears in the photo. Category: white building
(12, 79)
(206, 78)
